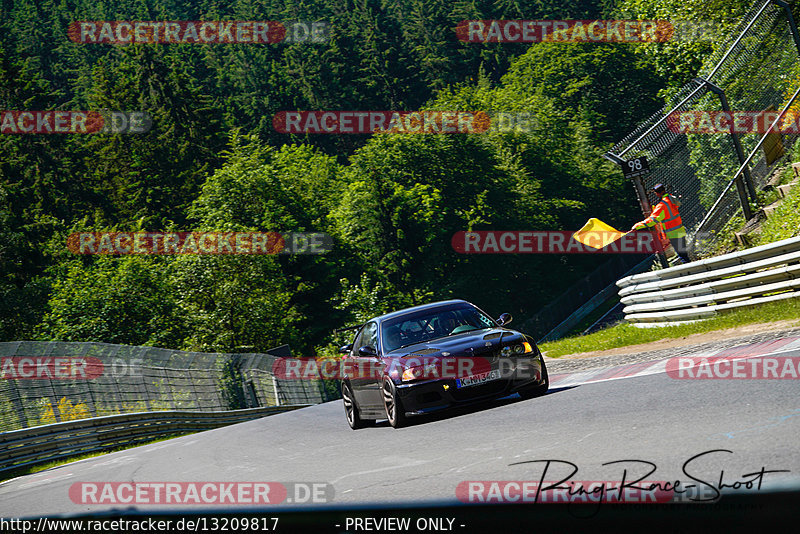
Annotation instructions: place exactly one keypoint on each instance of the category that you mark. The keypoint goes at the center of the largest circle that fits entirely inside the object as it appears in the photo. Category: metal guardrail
(704, 288)
(46, 443)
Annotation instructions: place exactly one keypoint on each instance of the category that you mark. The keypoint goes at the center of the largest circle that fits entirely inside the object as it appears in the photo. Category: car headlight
(410, 374)
(516, 350)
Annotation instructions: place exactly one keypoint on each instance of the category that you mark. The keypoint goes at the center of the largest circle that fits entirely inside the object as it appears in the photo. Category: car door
(365, 367)
(360, 368)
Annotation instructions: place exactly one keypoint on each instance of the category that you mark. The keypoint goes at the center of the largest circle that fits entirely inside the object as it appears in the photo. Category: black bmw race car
(422, 359)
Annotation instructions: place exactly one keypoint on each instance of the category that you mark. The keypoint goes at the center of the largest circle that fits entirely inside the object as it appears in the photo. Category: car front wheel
(394, 406)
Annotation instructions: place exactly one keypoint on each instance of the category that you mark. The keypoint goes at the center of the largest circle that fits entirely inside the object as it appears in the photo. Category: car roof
(430, 306)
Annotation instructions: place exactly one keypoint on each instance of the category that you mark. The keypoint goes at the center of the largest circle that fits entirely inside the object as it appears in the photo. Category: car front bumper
(424, 396)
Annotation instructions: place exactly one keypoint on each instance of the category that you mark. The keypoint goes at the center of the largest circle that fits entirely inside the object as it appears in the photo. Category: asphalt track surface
(652, 418)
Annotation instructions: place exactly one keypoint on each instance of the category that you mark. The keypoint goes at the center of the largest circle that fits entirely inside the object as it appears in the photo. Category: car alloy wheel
(394, 406)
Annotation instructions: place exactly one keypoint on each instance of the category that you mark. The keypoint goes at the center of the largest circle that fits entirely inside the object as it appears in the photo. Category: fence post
(638, 184)
(277, 391)
(54, 400)
(19, 406)
(745, 174)
(145, 389)
(790, 20)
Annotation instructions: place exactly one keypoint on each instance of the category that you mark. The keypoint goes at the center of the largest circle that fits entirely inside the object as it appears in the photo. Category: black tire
(395, 412)
(351, 409)
(537, 391)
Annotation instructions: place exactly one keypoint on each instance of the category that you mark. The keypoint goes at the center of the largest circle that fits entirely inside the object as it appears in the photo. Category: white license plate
(476, 380)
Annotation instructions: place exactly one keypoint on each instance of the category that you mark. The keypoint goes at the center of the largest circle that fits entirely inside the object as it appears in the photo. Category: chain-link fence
(50, 382)
(755, 70)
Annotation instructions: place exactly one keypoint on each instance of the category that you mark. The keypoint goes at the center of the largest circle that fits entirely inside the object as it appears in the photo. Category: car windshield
(427, 325)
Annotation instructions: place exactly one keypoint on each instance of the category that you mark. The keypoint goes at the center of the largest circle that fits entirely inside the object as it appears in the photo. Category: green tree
(126, 300)
(261, 300)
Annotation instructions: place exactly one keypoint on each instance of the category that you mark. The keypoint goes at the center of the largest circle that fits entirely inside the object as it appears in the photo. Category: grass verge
(784, 221)
(623, 335)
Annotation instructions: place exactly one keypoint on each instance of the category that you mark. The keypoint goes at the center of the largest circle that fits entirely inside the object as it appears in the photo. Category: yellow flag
(597, 234)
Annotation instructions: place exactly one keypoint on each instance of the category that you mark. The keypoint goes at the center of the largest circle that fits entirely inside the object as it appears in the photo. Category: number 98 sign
(635, 167)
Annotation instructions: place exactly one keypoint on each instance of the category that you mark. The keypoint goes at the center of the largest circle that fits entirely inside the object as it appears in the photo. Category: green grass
(787, 174)
(784, 221)
(624, 335)
(30, 469)
(725, 241)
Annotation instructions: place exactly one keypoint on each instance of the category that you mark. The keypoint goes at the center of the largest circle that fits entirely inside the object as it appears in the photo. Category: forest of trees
(213, 161)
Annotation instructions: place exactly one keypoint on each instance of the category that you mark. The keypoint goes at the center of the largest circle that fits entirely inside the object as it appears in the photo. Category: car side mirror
(346, 348)
(504, 319)
(366, 350)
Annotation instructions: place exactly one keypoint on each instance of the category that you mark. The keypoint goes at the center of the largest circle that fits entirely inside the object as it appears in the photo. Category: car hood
(475, 343)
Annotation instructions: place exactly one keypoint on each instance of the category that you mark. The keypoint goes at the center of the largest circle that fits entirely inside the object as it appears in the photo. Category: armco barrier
(703, 288)
(42, 444)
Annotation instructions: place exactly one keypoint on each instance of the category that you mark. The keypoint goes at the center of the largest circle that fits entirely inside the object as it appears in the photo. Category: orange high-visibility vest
(672, 221)
(666, 213)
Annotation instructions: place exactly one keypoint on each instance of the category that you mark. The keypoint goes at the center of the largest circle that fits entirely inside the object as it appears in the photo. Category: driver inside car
(447, 324)
(393, 338)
